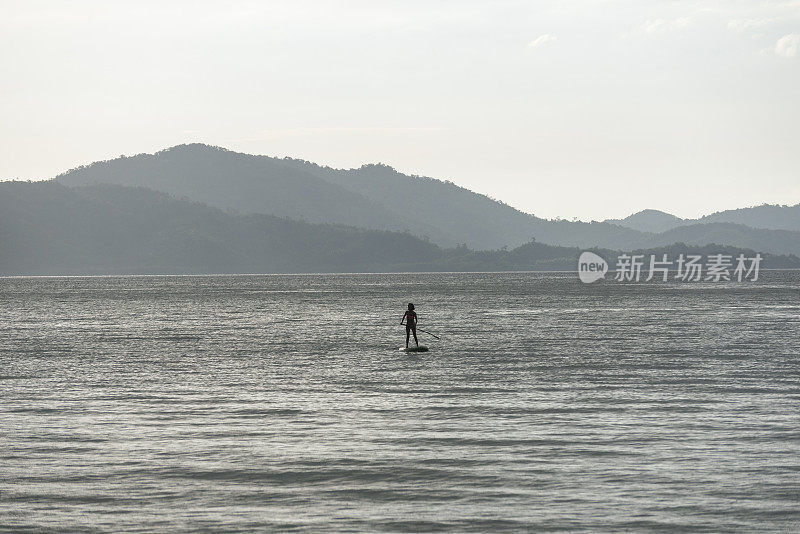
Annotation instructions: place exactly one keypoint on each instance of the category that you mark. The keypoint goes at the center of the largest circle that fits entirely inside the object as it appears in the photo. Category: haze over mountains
(381, 198)
(767, 216)
(47, 228)
(373, 196)
(201, 209)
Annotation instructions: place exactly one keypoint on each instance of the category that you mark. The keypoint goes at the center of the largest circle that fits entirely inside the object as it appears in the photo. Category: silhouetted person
(410, 319)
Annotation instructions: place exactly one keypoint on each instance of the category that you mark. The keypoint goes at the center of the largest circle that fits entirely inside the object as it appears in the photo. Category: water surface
(245, 403)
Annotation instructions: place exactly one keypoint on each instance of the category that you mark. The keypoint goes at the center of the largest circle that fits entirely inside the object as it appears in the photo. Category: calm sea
(252, 403)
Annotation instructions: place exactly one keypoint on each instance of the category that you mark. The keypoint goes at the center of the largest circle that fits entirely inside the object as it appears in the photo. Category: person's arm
(403, 319)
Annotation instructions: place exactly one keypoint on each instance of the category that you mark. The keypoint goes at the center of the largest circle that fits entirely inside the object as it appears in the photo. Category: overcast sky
(588, 109)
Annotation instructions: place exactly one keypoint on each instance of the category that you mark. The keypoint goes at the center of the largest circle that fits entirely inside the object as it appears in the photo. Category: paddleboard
(421, 348)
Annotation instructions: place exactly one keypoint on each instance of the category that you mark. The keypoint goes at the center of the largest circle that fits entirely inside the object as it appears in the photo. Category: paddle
(421, 330)
(434, 335)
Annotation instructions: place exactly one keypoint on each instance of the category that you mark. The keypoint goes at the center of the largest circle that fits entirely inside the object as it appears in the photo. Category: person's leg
(415, 337)
(408, 332)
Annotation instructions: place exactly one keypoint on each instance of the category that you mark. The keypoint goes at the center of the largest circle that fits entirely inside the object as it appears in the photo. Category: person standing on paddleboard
(410, 319)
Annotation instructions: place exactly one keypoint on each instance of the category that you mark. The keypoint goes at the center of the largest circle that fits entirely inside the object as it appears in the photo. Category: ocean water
(253, 403)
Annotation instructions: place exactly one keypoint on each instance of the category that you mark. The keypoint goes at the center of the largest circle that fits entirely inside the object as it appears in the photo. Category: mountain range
(209, 209)
(380, 198)
(47, 228)
(766, 216)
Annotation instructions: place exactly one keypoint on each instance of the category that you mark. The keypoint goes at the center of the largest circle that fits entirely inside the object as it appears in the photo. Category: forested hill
(47, 228)
(654, 221)
(769, 216)
(766, 216)
(241, 182)
(374, 196)
(452, 214)
(381, 198)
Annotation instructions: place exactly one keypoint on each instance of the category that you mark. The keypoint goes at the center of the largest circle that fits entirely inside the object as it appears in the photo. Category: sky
(585, 109)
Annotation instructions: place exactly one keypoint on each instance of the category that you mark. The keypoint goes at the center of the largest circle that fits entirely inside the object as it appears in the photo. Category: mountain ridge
(649, 220)
(764, 216)
(286, 187)
(47, 228)
(378, 197)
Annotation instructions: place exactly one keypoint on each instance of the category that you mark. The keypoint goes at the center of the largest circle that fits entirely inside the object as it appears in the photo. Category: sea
(282, 403)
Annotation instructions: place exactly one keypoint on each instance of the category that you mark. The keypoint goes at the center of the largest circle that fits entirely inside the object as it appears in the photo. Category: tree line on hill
(378, 197)
(47, 228)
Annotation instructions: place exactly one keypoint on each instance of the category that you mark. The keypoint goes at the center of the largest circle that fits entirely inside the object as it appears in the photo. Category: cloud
(787, 45)
(657, 26)
(652, 27)
(744, 25)
(542, 39)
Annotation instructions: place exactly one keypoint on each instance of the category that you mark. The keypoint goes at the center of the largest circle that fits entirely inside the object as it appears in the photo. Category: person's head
(410, 306)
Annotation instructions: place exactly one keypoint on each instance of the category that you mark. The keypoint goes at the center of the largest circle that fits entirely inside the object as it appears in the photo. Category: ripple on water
(245, 403)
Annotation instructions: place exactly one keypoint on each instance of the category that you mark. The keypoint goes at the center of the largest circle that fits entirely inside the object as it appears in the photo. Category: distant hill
(452, 214)
(374, 196)
(381, 198)
(773, 241)
(772, 217)
(649, 221)
(764, 232)
(241, 182)
(48, 228)
(767, 216)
